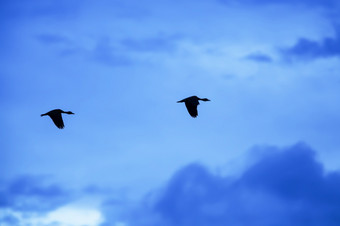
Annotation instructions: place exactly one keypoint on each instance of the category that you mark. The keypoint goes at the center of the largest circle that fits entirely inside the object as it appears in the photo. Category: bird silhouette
(191, 103)
(55, 115)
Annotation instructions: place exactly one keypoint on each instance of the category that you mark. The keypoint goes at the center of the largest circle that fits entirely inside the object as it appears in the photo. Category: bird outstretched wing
(58, 120)
(192, 108)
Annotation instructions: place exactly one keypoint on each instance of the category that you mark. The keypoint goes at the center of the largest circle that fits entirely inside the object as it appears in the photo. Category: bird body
(56, 117)
(191, 104)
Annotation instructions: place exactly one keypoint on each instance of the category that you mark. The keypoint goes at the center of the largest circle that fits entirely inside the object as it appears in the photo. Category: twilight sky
(263, 152)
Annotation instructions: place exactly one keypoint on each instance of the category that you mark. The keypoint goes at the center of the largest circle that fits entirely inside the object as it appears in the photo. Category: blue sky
(131, 155)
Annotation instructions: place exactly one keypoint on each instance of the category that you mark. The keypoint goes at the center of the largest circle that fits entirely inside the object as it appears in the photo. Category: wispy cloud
(259, 57)
(41, 9)
(289, 185)
(53, 39)
(152, 44)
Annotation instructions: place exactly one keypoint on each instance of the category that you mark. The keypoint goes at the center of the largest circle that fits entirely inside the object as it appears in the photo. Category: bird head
(205, 99)
(69, 112)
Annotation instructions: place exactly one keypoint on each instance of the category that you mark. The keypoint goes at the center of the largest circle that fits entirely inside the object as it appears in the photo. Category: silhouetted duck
(55, 115)
(191, 103)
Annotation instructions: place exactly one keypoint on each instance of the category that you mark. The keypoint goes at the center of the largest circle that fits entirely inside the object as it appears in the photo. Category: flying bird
(191, 103)
(55, 115)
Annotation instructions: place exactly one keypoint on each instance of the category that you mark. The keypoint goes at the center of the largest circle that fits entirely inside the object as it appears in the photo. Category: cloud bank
(286, 187)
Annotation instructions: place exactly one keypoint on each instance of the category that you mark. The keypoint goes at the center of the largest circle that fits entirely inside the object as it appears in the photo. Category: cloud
(309, 49)
(34, 200)
(32, 194)
(105, 53)
(286, 187)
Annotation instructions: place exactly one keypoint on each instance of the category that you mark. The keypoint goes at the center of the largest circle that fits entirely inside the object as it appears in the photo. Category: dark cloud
(286, 187)
(309, 49)
(32, 194)
(259, 57)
